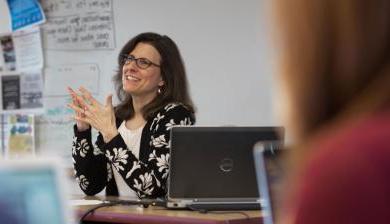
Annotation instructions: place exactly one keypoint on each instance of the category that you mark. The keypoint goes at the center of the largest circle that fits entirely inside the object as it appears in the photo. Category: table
(154, 214)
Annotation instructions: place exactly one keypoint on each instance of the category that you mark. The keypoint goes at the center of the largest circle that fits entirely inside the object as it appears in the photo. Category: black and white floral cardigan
(147, 176)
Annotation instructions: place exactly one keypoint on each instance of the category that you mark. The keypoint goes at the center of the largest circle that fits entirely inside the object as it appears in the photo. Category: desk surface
(155, 214)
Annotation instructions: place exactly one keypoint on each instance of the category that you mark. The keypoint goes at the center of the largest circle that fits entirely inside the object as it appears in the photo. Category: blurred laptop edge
(33, 190)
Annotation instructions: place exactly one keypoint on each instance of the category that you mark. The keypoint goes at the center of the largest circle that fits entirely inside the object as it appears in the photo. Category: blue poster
(25, 13)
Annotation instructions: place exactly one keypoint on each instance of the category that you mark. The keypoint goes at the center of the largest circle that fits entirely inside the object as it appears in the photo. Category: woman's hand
(81, 126)
(101, 117)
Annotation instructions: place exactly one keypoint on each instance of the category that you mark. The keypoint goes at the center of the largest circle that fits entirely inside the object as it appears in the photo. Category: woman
(336, 61)
(131, 153)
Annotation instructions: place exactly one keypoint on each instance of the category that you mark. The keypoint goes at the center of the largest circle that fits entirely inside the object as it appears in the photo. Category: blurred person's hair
(336, 60)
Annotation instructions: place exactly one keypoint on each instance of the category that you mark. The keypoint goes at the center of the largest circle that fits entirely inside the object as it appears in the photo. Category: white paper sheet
(73, 75)
(78, 25)
(22, 50)
(28, 49)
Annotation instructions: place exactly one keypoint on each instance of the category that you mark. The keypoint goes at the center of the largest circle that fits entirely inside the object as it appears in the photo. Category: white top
(132, 139)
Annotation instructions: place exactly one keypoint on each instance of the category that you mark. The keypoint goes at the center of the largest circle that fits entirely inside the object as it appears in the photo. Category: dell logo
(226, 165)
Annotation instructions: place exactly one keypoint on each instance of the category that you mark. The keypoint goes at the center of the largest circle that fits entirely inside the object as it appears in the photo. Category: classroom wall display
(223, 43)
(25, 14)
(21, 92)
(18, 135)
(8, 59)
(21, 50)
(79, 25)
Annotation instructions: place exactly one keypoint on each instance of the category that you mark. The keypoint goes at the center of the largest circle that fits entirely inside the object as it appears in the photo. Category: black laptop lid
(215, 162)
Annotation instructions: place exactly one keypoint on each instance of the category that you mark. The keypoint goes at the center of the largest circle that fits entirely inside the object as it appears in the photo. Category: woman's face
(142, 82)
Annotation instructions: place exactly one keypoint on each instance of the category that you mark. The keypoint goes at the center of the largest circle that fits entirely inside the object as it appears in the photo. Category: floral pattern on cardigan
(147, 176)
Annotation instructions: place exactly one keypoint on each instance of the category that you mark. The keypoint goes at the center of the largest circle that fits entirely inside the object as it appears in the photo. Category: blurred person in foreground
(335, 57)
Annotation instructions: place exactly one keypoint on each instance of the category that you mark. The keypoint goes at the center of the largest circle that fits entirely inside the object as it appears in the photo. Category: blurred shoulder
(366, 137)
(347, 173)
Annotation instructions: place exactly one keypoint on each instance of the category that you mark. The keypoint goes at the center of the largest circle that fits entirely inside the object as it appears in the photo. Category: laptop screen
(30, 195)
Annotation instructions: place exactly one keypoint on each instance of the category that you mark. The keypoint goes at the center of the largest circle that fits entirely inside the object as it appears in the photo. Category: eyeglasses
(141, 63)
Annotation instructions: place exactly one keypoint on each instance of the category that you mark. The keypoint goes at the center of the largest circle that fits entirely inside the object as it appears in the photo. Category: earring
(159, 90)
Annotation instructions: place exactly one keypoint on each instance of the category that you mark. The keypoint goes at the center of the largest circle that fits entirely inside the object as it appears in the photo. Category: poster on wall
(21, 51)
(18, 135)
(8, 59)
(25, 13)
(78, 25)
(21, 92)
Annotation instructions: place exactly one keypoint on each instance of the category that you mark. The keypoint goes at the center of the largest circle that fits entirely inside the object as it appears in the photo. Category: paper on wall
(19, 137)
(78, 25)
(73, 75)
(22, 50)
(25, 14)
(21, 92)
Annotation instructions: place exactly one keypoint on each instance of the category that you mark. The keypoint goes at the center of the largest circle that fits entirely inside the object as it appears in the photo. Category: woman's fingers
(77, 100)
(84, 99)
(89, 110)
(83, 113)
(77, 109)
(89, 118)
(88, 96)
(79, 106)
(82, 103)
(70, 90)
(73, 95)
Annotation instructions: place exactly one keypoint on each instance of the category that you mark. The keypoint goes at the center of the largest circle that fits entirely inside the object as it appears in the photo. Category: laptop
(32, 192)
(270, 173)
(212, 168)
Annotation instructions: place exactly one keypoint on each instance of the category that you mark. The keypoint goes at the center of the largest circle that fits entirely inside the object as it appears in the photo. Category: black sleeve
(91, 167)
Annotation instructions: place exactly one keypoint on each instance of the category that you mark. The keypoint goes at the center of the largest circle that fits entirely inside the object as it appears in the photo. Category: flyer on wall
(18, 135)
(25, 14)
(21, 50)
(21, 92)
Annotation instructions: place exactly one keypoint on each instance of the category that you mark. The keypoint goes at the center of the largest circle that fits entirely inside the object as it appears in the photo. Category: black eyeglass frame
(128, 58)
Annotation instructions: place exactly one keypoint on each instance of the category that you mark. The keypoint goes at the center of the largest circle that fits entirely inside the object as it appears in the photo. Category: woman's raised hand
(90, 111)
(77, 107)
